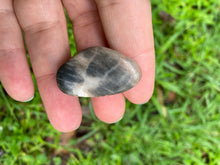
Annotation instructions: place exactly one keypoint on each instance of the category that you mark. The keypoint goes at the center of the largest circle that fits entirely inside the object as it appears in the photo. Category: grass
(179, 125)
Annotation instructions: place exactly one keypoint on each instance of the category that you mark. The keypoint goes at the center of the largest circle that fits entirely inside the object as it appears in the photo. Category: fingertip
(66, 125)
(63, 111)
(143, 91)
(141, 97)
(64, 118)
(31, 98)
(15, 74)
(109, 109)
(116, 121)
(22, 90)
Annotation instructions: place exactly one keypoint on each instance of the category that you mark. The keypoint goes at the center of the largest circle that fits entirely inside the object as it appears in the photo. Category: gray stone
(97, 71)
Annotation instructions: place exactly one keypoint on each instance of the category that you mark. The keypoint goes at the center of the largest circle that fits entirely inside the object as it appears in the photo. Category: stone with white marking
(97, 71)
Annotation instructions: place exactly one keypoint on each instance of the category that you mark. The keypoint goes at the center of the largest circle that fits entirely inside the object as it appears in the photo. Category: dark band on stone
(101, 64)
(69, 73)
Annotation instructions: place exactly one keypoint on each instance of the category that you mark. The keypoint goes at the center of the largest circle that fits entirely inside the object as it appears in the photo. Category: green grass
(184, 129)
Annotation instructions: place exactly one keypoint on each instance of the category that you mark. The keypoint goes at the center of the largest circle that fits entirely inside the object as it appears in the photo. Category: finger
(128, 29)
(87, 28)
(45, 32)
(88, 32)
(14, 70)
(109, 109)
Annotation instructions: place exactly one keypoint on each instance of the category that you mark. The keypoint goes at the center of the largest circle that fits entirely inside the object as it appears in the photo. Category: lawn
(179, 125)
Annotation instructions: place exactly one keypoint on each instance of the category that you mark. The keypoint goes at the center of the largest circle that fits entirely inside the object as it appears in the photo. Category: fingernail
(28, 99)
(118, 120)
(143, 103)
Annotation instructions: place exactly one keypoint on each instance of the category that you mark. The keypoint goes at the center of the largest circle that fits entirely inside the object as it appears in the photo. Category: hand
(121, 25)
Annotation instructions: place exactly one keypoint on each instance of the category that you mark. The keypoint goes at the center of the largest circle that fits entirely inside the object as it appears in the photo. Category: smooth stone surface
(97, 71)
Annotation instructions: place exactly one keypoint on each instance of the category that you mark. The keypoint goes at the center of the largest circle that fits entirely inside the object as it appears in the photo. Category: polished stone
(97, 71)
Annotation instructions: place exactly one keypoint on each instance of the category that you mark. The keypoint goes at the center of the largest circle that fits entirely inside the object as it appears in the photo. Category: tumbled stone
(97, 71)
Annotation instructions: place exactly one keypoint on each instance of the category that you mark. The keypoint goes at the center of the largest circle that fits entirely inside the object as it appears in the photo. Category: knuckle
(6, 12)
(40, 26)
(5, 16)
(85, 13)
(10, 51)
(86, 19)
(45, 77)
(107, 3)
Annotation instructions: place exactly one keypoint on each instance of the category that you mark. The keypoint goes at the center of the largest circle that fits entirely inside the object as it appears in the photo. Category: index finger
(128, 29)
(44, 26)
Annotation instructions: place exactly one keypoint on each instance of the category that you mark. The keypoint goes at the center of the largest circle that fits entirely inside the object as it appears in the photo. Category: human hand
(121, 25)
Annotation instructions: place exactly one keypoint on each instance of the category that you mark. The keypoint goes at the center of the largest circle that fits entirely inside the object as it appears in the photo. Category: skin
(125, 26)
